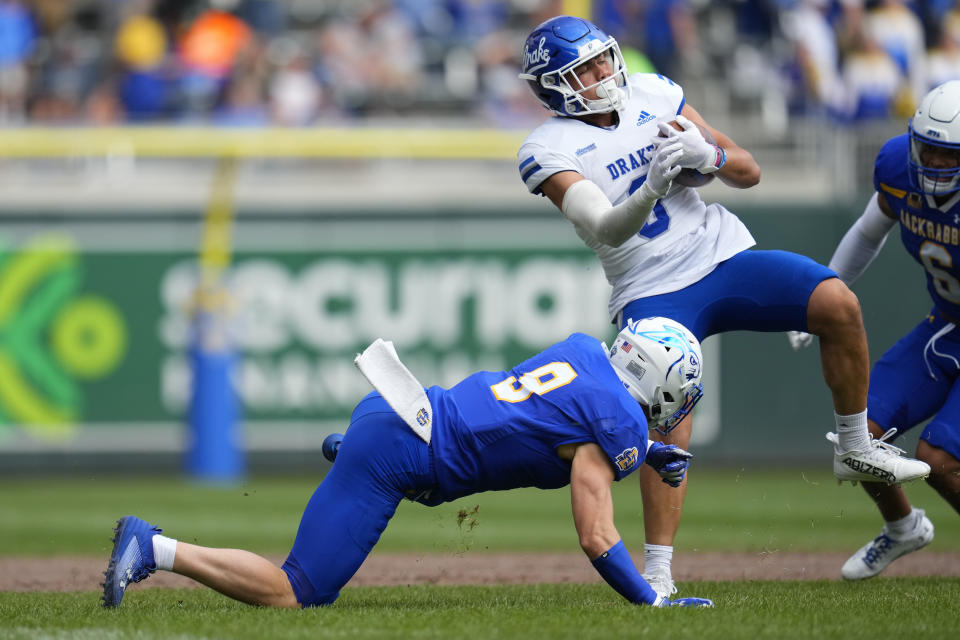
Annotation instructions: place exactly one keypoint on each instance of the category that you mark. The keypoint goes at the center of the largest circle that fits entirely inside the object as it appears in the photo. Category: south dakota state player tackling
(917, 182)
(575, 414)
(602, 161)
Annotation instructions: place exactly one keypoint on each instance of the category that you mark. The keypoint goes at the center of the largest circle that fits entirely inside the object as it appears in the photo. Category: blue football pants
(379, 461)
(911, 383)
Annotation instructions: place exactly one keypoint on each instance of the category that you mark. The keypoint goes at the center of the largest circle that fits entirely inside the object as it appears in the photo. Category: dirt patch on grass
(385, 569)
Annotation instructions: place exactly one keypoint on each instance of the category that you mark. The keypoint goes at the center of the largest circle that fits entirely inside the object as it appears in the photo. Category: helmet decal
(535, 60)
(673, 336)
(637, 371)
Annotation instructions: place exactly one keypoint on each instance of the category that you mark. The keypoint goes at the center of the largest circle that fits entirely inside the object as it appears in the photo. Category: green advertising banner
(96, 318)
(298, 319)
(59, 340)
(94, 335)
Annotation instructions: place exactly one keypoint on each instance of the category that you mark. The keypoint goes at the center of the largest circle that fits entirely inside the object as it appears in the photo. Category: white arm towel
(380, 365)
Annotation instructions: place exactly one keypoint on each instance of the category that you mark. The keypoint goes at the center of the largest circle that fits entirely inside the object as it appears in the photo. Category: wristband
(616, 567)
(721, 157)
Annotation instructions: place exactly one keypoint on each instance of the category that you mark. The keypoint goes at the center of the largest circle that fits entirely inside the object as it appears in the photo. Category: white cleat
(662, 583)
(873, 557)
(881, 462)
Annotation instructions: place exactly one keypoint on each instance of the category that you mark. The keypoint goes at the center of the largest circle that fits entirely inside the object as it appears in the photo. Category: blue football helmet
(935, 131)
(660, 364)
(554, 49)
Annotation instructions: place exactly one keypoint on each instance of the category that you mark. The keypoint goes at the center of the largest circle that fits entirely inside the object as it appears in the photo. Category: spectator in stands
(68, 60)
(899, 32)
(141, 49)
(871, 80)
(208, 50)
(344, 73)
(17, 40)
(807, 27)
(294, 93)
(943, 59)
(660, 34)
(152, 60)
(395, 56)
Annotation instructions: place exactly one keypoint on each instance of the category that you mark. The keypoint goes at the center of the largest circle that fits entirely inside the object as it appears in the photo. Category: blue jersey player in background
(917, 182)
(576, 414)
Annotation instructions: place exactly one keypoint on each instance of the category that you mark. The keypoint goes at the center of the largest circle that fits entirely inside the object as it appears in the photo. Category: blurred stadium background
(254, 190)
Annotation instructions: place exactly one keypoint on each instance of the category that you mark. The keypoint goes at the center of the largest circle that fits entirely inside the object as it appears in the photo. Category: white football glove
(799, 339)
(664, 166)
(697, 152)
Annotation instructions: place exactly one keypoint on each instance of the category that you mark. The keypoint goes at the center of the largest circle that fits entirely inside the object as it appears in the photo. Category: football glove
(664, 166)
(799, 339)
(670, 461)
(697, 152)
(684, 602)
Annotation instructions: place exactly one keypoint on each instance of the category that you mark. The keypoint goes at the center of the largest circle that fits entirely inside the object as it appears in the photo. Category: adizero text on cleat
(880, 462)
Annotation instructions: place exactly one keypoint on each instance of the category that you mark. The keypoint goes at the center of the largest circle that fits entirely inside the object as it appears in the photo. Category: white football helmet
(935, 129)
(659, 362)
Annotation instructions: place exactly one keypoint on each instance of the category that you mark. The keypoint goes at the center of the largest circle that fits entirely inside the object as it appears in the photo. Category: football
(692, 177)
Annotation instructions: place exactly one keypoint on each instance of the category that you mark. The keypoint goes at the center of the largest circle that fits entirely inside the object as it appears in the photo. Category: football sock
(902, 528)
(616, 567)
(164, 549)
(657, 558)
(852, 432)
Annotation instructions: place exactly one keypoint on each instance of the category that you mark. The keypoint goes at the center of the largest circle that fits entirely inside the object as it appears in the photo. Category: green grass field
(903, 608)
(732, 510)
(726, 510)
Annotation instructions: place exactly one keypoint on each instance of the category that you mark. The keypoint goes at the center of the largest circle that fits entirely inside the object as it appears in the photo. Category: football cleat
(873, 557)
(881, 462)
(662, 583)
(131, 560)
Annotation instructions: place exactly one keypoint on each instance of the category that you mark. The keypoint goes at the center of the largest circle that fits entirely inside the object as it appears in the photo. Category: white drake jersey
(683, 240)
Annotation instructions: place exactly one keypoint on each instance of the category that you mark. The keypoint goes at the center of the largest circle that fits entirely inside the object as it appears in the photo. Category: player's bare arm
(590, 478)
(556, 186)
(740, 170)
(591, 475)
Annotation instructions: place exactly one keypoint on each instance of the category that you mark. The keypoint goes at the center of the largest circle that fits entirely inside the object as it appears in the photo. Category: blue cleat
(331, 444)
(131, 560)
